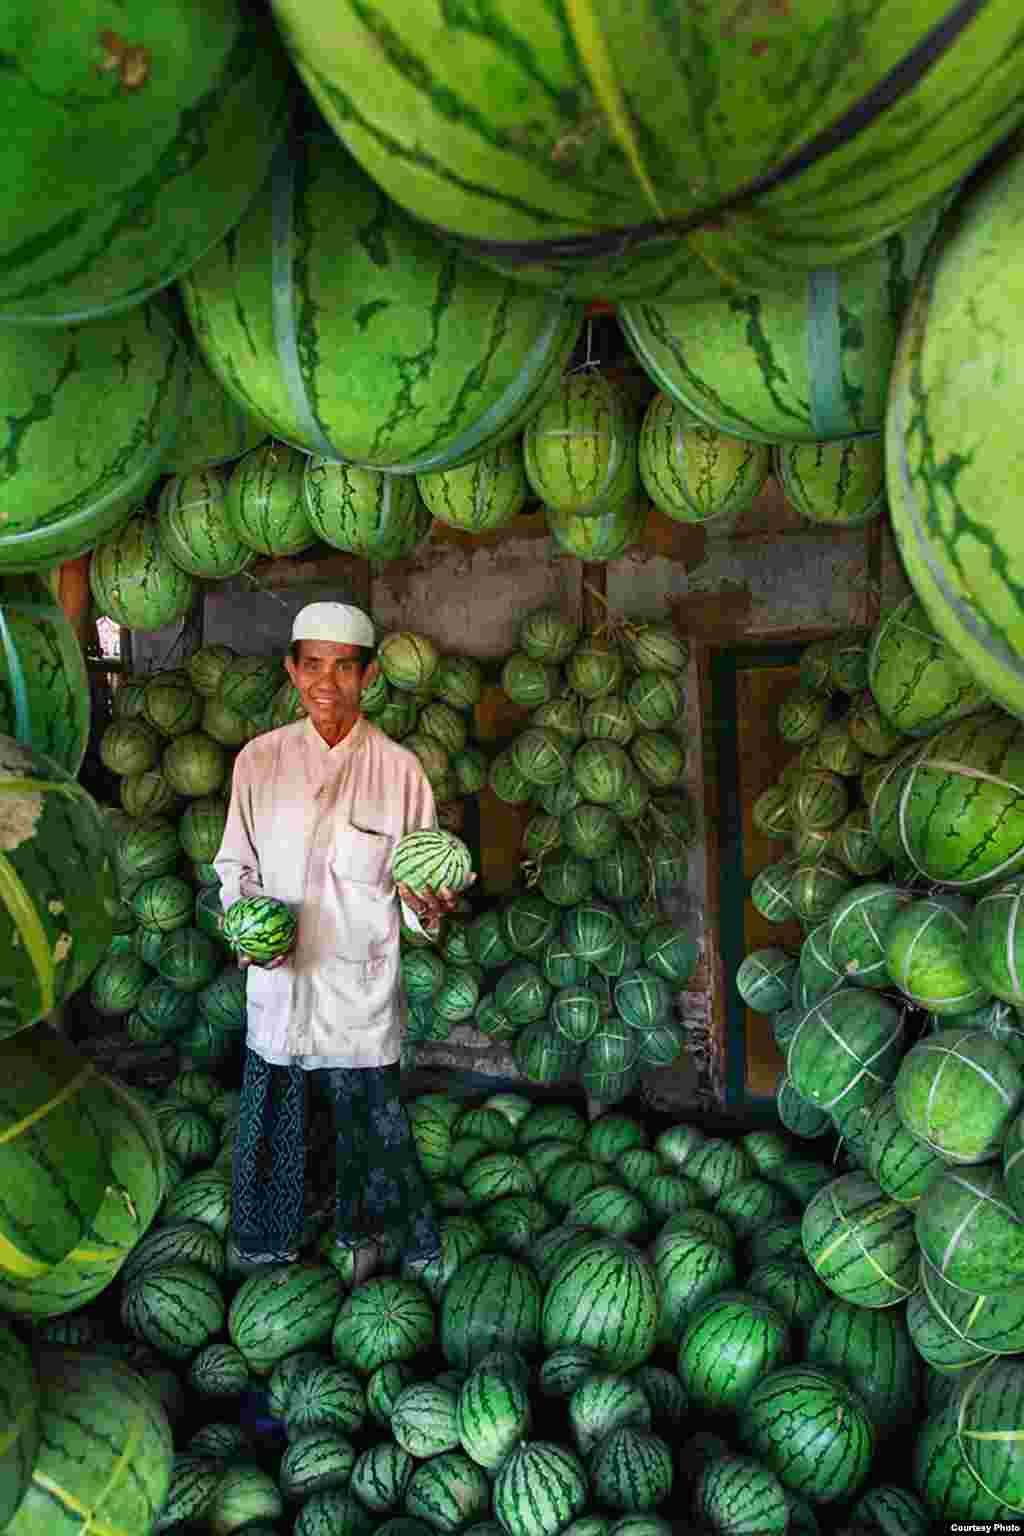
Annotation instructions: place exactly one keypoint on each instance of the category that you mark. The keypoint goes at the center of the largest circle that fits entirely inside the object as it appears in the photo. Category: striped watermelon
(845, 1048)
(689, 1266)
(555, 216)
(381, 1476)
(894, 1511)
(134, 580)
(738, 1495)
(599, 536)
(927, 955)
(840, 483)
(492, 1414)
(631, 1469)
(988, 1410)
(248, 685)
(189, 959)
(540, 1489)
(727, 1342)
(481, 496)
(97, 1417)
(895, 1158)
(42, 670)
(791, 1287)
(219, 1370)
(962, 583)
(187, 1242)
(201, 828)
(366, 513)
(483, 323)
(836, 750)
(195, 529)
(493, 1301)
(177, 1308)
(603, 1297)
(856, 935)
(130, 747)
(919, 682)
(194, 765)
(761, 370)
(142, 197)
(995, 954)
(943, 1477)
(969, 1231)
(957, 1092)
(260, 927)
(19, 1397)
(54, 1165)
(330, 1511)
(862, 1243)
(323, 1396)
(873, 1352)
(580, 449)
(85, 438)
(163, 903)
(693, 473)
(281, 1310)
(214, 428)
(265, 503)
(994, 1323)
(450, 1491)
(811, 1429)
(246, 1495)
(384, 1321)
(317, 1460)
(798, 1114)
(819, 800)
(171, 705)
(423, 1419)
(148, 794)
(204, 1196)
(765, 978)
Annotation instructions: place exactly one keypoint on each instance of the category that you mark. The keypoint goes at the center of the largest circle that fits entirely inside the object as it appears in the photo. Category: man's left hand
(431, 906)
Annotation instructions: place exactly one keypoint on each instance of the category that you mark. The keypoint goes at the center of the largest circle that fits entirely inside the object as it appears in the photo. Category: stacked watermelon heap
(615, 1331)
(578, 967)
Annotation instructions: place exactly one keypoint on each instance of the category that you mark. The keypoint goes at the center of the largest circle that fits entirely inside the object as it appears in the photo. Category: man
(316, 810)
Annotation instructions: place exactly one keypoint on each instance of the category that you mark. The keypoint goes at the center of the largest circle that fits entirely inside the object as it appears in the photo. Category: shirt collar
(317, 744)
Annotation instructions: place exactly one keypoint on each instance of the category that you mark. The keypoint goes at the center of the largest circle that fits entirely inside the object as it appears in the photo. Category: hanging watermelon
(265, 504)
(579, 451)
(575, 146)
(89, 413)
(195, 529)
(44, 687)
(805, 360)
(127, 152)
(134, 580)
(369, 514)
(841, 483)
(691, 472)
(58, 890)
(395, 352)
(954, 455)
(481, 496)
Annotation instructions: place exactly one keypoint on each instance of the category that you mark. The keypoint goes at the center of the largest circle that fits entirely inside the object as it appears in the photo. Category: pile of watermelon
(577, 968)
(623, 1329)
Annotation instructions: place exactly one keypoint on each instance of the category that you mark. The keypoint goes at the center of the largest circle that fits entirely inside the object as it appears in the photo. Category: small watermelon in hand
(260, 927)
(432, 859)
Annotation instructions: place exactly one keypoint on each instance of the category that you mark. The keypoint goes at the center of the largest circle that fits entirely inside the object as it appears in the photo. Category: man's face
(329, 678)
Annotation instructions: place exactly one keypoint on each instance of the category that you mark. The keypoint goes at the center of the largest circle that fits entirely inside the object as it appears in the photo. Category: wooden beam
(713, 618)
(595, 588)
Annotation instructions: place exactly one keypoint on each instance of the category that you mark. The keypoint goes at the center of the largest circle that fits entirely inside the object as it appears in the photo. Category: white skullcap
(339, 622)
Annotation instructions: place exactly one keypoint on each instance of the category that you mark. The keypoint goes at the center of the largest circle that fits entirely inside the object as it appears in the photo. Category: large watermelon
(128, 148)
(362, 511)
(397, 352)
(953, 447)
(960, 802)
(691, 472)
(214, 428)
(580, 450)
(106, 1448)
(481, 496)
(195, 529)
(918, 680)
(806, 360)
(134, 580)
(265, 503)
(58, 889)
(840, 483)
(558, 140)
(89, 413)
(44, 687)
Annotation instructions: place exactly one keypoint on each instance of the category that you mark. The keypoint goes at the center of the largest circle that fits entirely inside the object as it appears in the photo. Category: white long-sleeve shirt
(316, 826)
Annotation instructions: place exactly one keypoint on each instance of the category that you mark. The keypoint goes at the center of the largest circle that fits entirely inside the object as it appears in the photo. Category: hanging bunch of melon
(578, 968)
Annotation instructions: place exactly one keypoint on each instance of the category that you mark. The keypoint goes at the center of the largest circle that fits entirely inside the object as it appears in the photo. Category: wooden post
(595, 587)
(75, 598)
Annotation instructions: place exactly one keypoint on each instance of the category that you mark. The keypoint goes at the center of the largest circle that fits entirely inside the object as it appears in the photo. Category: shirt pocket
(362, 857)
(364, 897)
